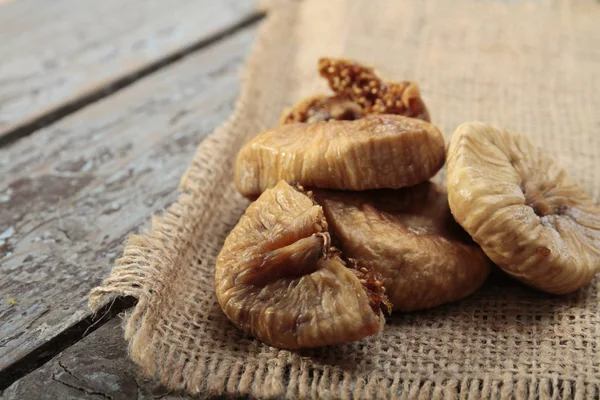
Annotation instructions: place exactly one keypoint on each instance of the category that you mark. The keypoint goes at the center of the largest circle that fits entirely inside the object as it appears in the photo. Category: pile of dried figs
(346, 222)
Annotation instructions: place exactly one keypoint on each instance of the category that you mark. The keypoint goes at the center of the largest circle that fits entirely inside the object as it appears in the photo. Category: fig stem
(297, 259)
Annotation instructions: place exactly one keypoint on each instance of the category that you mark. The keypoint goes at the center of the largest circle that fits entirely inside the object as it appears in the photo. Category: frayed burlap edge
(151, 256)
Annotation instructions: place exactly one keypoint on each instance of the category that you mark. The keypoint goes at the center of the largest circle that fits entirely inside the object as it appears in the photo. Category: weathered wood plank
(57, 53)
(71, 192)
(95, 368)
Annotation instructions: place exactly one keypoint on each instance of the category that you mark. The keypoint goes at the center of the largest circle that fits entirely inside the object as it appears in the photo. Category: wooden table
(102, 105)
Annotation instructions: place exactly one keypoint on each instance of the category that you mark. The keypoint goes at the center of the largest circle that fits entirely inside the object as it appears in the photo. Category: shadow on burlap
(531, 67)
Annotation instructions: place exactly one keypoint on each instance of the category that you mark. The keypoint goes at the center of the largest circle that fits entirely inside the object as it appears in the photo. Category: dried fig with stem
(408, 237)
(278, 279)
(360, 84)
(528, 216)
(378, 151)
(322, 108)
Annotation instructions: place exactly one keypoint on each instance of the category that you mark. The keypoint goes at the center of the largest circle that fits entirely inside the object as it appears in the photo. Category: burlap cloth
(532, 67)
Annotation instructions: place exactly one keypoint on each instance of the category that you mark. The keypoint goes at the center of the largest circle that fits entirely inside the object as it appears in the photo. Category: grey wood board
(96, 367)
(71, 192)
(58, 51)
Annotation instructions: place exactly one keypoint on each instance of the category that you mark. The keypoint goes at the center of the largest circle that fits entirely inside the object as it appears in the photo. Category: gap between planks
(64, 340)
(122, 82)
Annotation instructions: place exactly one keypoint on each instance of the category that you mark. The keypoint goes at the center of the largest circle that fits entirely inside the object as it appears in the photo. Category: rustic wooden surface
(57, 53)
(95, 368)
(72, 191)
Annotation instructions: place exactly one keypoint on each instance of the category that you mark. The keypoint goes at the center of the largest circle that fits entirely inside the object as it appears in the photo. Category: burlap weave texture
(527, 66)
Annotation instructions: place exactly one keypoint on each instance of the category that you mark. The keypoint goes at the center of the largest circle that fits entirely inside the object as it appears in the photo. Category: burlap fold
(532, 67)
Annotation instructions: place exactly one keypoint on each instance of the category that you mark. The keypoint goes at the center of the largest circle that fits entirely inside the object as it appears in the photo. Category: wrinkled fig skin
(528, 216)
(378, 151)
(409, 237)
(275, 280)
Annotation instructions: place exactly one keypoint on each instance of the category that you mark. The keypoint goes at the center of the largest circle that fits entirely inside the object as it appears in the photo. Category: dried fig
(409, 237)
(360, 84)
(322, 108)
(528, 216)
(278, 279)
(378, 151)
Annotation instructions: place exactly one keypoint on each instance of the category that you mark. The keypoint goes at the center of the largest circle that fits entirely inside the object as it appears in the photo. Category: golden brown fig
(277, 278)
(322, 108)
(360, 84)
(378, 151)
(528, 216)
(409, 237)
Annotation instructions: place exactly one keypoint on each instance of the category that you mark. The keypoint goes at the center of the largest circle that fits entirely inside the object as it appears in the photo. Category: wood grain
(70, 193)
(58, 52)
(95, 368)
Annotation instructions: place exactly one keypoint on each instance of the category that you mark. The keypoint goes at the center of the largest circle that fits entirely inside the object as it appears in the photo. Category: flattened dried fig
(409, 237)
(360, 84)
(378, 151)
(528, 216)
(277, 278)
(322, 108)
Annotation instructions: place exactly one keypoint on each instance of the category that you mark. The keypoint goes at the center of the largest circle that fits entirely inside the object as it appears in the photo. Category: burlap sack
(533, 67)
